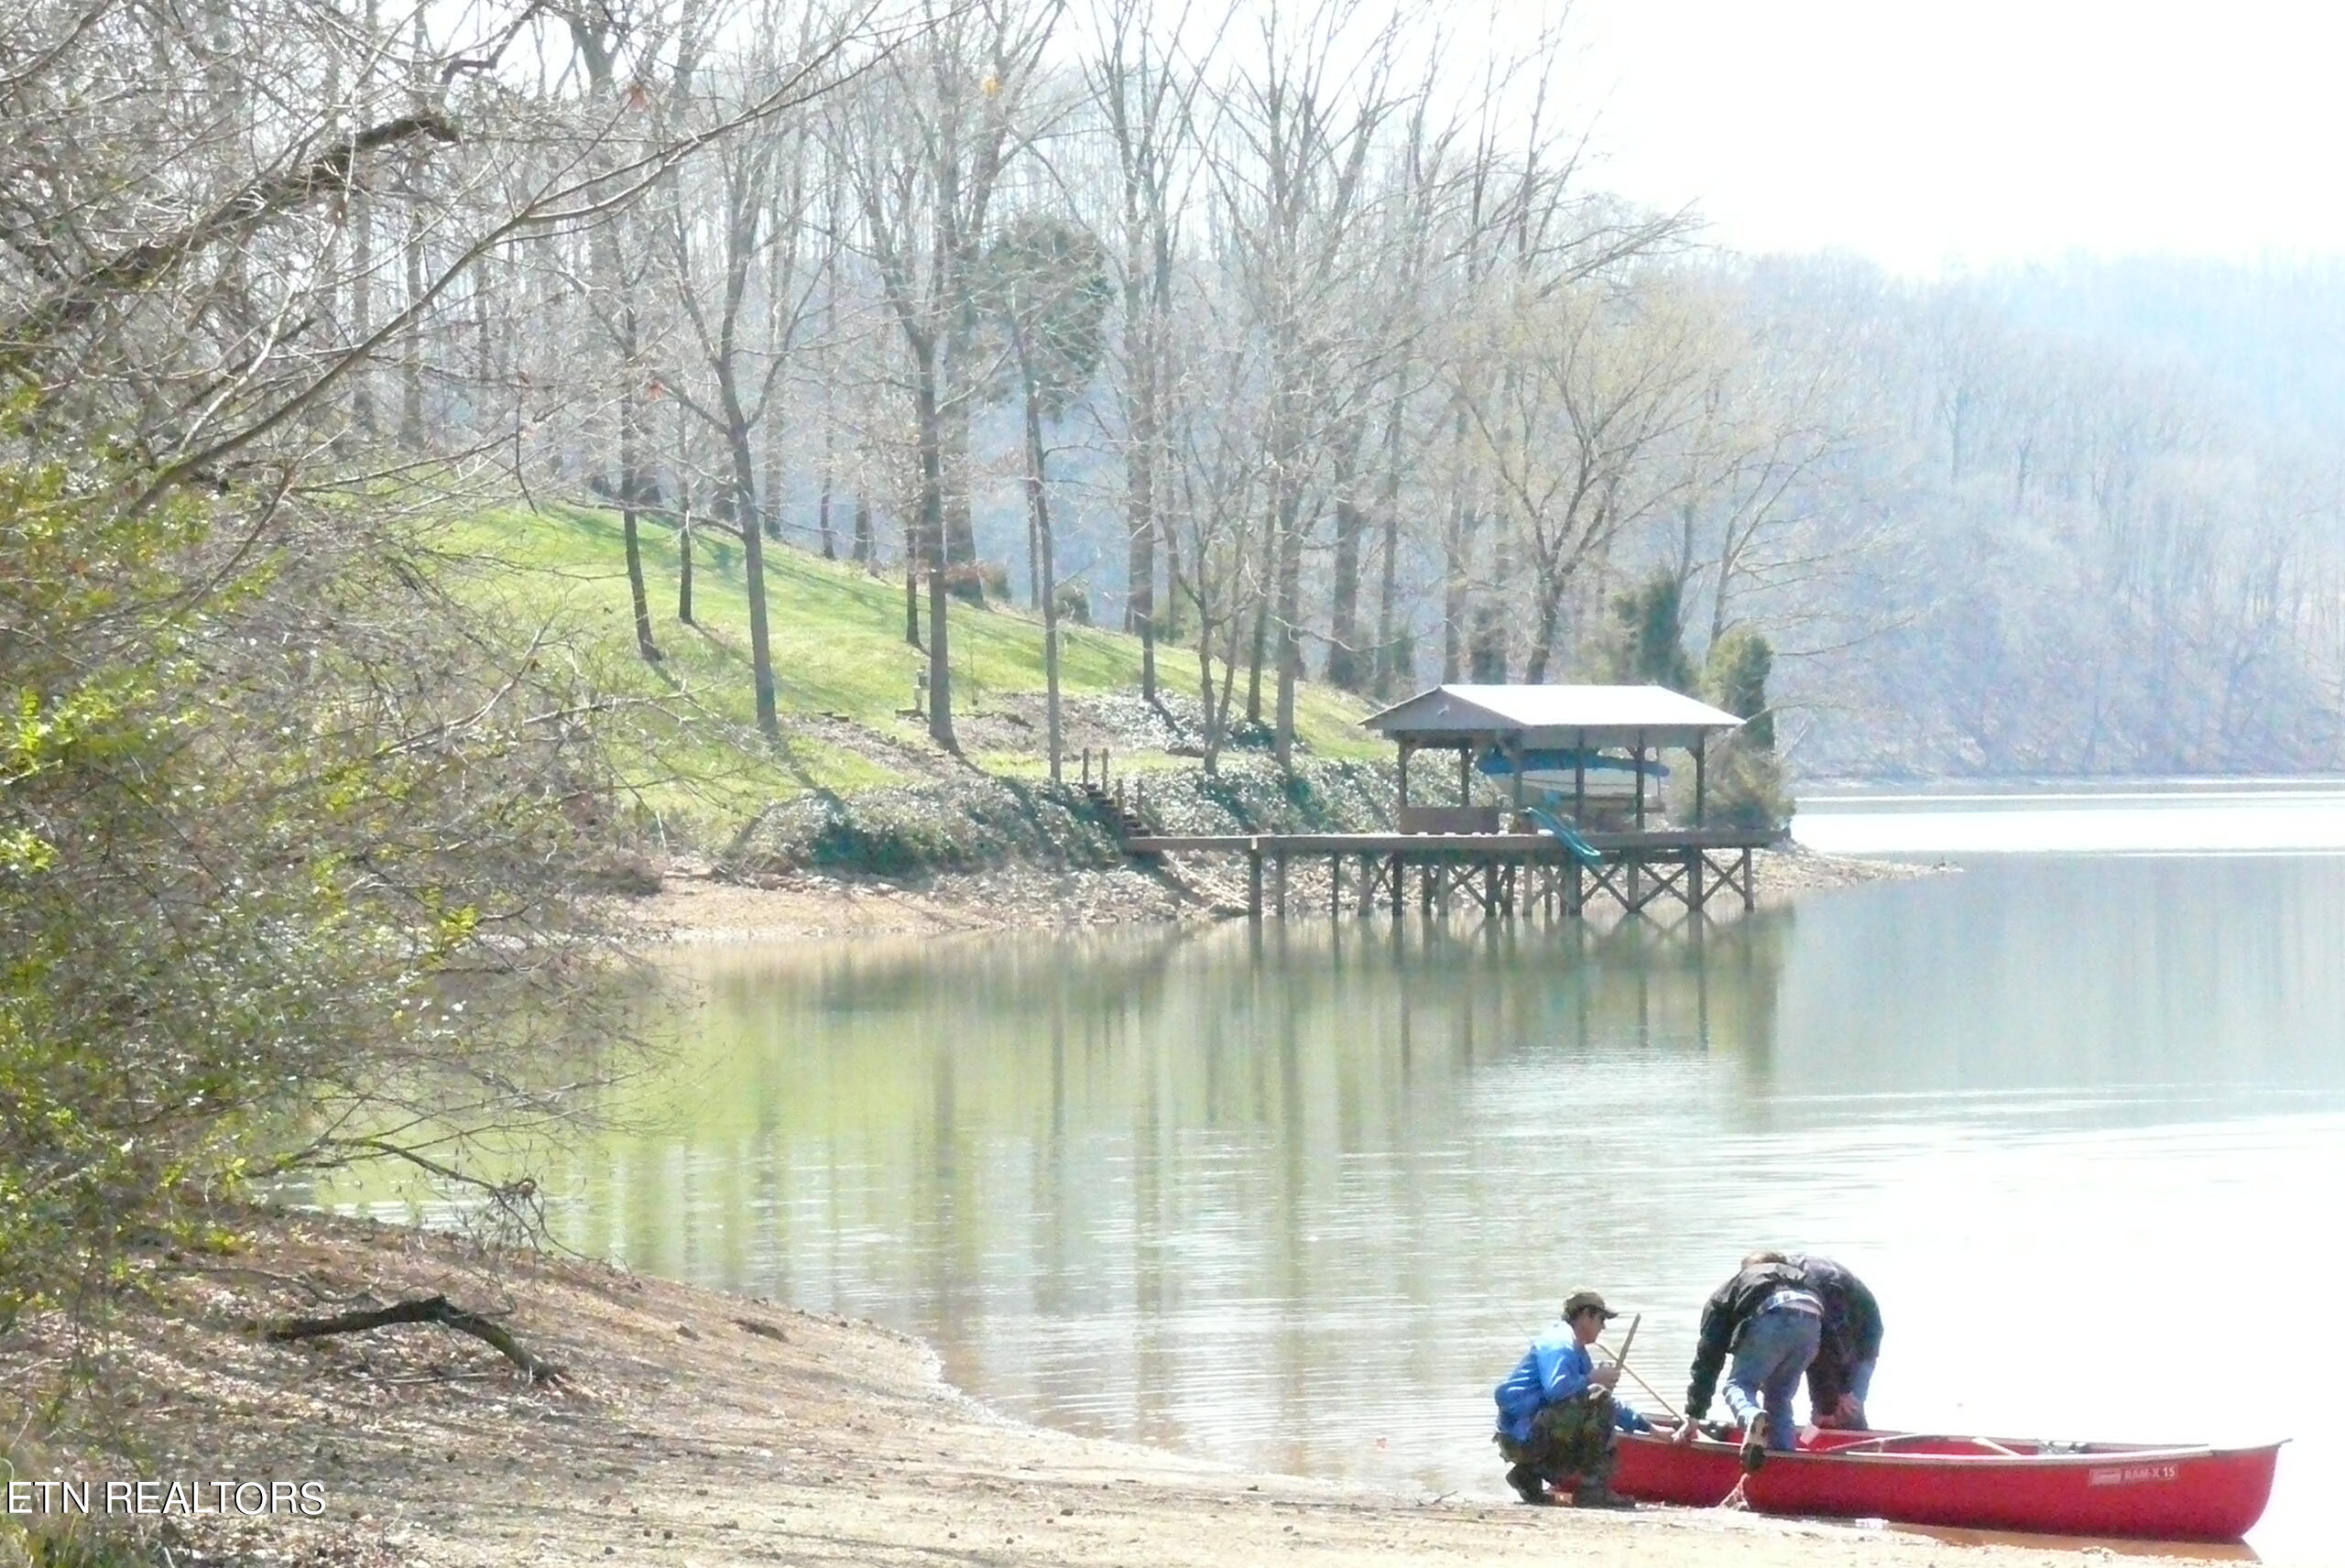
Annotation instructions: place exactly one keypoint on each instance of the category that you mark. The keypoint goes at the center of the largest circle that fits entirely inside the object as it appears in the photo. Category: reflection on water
(1294, 1197)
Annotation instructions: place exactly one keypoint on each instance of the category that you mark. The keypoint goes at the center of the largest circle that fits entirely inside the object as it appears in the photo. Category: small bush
(978, 582)
(1398, 662)
(1073, 603)
(77, 1543)
(1746, 789)
(621, 871)
(1251, 735)
(1740, 663)
(1645, 642)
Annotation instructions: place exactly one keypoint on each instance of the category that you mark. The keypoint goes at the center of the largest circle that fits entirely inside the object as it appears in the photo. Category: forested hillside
(1305, 364)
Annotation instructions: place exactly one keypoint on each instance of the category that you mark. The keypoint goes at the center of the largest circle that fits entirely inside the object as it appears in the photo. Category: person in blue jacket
(1558, 1422)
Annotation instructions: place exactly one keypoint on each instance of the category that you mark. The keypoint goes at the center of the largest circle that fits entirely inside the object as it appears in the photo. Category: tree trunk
(1039, 511)
(630, 497)
(830, 422)
(932, 437)
(361, 303)
(1388, 644)
(752, 542)
(1171, 617)
(821, 498)
(485, 374)
(1551, 595)
(1458, 543)
(1217, 713)
(1289, 631)
(1344, 662)
(769, 439)
(1261, 647)
(912, 552)
(1140, 489)
(753, 563)
(861, 551)
(411, 339)
(953, 477)
(1034, 556)
(684, 567)
(1212, 738)
(1488, 652)
(362, 263)
(744, 509)
(1458, 549)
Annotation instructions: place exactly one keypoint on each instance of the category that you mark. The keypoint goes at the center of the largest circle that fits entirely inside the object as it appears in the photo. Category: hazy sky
(1920, 132)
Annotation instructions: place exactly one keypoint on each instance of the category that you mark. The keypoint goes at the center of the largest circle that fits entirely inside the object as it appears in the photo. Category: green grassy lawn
(684, 732)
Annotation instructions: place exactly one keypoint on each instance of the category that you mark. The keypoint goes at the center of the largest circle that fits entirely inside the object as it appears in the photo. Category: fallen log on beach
(422, 1310)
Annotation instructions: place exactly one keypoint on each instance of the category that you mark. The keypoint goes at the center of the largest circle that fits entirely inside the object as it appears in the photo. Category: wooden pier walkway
(1497, 873)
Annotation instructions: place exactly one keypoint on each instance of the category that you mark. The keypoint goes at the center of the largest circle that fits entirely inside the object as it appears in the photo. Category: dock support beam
(1641, 780)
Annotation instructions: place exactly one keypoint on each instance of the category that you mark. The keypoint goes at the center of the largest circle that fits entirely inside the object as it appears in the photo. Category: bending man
(1772, 1321)
(1840, 1377)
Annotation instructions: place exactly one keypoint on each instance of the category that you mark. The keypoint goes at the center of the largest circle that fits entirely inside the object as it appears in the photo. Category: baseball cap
(1581, 1301)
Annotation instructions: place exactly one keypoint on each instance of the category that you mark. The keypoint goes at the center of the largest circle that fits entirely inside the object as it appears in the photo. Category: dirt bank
(693, 1428)
(696, 905)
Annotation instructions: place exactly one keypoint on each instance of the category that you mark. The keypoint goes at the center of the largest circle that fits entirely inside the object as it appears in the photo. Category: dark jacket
(1851, 1326)
(1730, 1306)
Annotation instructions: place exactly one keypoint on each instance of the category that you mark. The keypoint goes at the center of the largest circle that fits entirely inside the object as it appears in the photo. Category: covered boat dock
(1580, 819)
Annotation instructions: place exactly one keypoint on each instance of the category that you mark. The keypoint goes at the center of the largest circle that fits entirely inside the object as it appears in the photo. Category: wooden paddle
(1620, 1358)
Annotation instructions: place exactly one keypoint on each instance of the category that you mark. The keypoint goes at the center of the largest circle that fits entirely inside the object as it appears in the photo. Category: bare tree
(1576, 433)
(926, 144)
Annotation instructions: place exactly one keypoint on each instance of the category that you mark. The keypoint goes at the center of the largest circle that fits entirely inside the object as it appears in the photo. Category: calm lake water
(1295, 1197)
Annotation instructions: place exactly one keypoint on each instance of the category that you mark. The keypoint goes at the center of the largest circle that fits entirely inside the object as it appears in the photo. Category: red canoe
(2055, 1489)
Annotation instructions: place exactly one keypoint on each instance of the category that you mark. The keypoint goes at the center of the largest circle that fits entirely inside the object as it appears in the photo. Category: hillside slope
(683, 735)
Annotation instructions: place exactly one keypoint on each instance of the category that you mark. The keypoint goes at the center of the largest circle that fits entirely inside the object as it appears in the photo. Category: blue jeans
(1860, 1385)
(1769, 1358)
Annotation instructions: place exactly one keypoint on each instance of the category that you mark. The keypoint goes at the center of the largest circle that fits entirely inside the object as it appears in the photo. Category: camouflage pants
(1575, 1438)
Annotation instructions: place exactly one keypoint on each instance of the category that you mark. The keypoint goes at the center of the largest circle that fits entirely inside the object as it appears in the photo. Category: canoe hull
(2108, 1490)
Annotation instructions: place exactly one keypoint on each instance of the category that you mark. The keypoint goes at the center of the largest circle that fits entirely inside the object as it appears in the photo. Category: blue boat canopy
(1496, 764)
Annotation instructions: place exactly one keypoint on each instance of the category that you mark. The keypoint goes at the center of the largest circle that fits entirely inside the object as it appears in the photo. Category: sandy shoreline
(696, 905)
(700, 1428)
